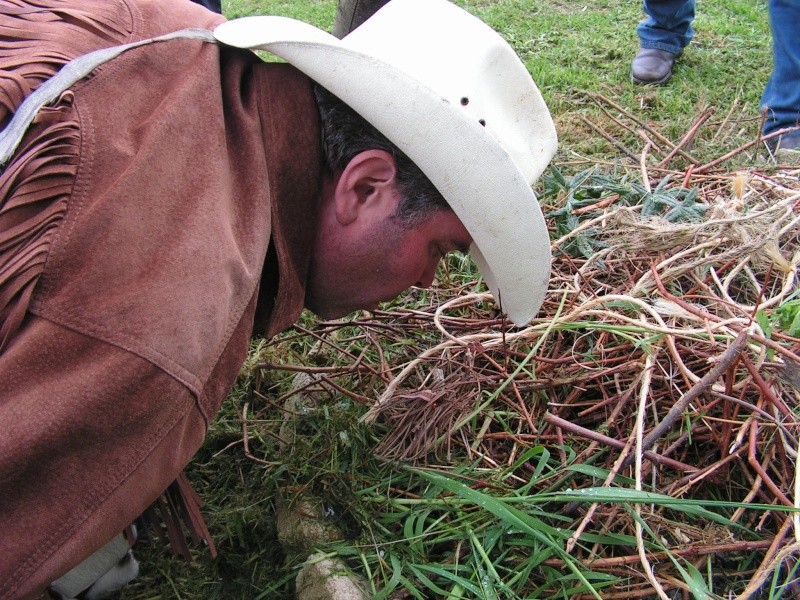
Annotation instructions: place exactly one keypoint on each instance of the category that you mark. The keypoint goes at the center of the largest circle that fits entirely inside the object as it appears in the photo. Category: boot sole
(661, 81)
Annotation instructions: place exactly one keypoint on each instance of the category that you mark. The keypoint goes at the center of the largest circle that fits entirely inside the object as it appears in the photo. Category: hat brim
(475, 175)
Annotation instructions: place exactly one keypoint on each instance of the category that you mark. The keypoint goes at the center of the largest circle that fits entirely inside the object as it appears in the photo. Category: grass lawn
(505, 464)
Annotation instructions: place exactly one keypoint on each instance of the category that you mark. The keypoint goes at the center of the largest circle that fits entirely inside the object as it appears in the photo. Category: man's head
(383, 225)
(455, 99)
(346, 134)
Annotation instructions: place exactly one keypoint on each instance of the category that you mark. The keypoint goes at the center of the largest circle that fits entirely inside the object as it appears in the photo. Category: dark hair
(345, 134)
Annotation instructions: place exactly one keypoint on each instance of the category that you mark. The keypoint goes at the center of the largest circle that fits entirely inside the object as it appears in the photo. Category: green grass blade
(513, 518)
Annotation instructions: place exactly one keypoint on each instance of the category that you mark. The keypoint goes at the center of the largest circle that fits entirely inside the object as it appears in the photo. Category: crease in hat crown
(451, 93)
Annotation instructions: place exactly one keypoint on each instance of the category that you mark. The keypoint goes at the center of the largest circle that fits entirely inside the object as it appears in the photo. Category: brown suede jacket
(149, 218)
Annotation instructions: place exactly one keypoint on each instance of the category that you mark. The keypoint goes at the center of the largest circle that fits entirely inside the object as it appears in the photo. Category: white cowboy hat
(452, 94)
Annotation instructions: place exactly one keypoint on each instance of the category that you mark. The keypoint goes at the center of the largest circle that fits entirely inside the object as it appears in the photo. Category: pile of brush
(639, 438)
(665, 356)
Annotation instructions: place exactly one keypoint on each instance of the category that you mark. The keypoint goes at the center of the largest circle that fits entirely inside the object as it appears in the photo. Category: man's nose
(427, 277)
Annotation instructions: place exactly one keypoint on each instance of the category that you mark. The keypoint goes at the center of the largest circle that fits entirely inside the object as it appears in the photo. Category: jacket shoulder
(40, 37)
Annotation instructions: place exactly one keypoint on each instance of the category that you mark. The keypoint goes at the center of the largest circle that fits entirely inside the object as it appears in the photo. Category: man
(179, 197)
(667, 30)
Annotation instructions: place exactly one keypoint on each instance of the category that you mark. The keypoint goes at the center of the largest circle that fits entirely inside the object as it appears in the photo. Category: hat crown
(469, 65)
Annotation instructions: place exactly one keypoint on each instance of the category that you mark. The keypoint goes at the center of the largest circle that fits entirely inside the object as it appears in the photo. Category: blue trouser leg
(668, 25)
(781, 97)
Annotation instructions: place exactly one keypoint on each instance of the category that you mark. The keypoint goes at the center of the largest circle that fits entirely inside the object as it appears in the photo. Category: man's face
(364, 253)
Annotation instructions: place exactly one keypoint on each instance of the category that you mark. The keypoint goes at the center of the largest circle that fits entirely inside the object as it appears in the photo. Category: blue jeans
(668, 25)
(781, 97)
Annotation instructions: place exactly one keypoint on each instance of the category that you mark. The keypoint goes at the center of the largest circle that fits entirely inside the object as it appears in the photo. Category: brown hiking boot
(652, 66)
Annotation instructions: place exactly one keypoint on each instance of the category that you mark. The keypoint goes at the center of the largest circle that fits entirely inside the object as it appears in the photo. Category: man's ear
(365, 186)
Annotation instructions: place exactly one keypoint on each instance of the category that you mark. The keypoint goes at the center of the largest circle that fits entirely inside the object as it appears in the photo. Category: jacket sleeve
(90, 436)
(90, 433)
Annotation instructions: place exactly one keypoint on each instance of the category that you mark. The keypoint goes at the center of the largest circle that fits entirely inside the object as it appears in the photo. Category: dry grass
(665, 355)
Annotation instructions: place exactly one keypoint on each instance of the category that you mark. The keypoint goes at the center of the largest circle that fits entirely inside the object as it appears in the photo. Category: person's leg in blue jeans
(781, 97)
(663, 35)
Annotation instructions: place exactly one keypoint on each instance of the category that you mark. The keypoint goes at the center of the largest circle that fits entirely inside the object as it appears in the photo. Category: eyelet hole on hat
(482, 122)
(464, 101)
